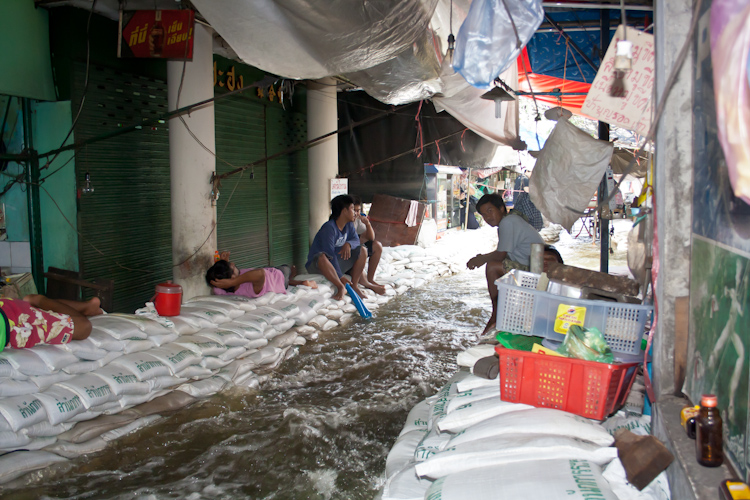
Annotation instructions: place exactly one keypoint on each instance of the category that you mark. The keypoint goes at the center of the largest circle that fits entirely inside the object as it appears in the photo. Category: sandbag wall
(59, 402)
(464, 442)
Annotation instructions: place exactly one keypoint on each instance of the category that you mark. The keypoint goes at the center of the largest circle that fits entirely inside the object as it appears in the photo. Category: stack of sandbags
(551, 233)
(464, 442)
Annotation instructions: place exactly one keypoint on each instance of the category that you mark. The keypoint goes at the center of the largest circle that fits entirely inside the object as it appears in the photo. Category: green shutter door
(125, 224)
(288, 195)
(242, 220)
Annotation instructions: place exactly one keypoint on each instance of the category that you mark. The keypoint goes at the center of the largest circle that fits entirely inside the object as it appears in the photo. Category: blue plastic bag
(487, 44)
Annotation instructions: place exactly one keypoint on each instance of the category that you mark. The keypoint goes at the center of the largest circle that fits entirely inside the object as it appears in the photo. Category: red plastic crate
(587, 388)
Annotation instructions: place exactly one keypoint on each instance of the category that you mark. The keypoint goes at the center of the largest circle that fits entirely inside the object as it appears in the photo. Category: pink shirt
(274, 283)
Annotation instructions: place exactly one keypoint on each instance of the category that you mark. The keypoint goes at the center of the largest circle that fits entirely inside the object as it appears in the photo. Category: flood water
(320, 427)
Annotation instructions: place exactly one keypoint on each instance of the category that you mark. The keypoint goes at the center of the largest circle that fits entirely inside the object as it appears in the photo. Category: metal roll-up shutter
(243, 220)
(287, 187)
(125, 224)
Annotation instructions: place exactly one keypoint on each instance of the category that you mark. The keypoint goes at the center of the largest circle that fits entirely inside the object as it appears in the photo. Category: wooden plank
(388, 216)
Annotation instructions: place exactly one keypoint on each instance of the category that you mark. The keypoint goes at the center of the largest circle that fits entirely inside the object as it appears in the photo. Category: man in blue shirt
(335, 250)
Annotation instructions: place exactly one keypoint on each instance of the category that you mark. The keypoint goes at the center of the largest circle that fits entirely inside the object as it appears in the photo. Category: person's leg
(360, 257)
(375, 252)
(81, 324)
(324, 266)
(365, 280)
(288, 271)
(493, 271)
(91, 307)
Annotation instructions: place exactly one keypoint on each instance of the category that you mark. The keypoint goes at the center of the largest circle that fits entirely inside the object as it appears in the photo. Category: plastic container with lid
(708, 436)
(168, 299)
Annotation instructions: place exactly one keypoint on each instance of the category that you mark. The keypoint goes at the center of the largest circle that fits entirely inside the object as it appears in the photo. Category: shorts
(509, 265)
(286, 270)
(368, 246)
(344, 265)
(23, 325)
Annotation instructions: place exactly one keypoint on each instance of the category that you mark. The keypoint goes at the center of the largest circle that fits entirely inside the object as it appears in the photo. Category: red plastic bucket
(168, 299)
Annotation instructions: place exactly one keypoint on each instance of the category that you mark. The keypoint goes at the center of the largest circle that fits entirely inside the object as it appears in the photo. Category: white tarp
(567, 173)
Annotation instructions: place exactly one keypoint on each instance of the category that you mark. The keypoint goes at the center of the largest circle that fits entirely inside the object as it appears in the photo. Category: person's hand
(224, 283)
(224, 256)
(345, 280)
(346, 251)
(310, 283)
(365, 219)
(475, 262)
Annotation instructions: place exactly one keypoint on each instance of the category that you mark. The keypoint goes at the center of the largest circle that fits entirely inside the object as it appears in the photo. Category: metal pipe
(32, 196)
(603, 6)
(604, 136)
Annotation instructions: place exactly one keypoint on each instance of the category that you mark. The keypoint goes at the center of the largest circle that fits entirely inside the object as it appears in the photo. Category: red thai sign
(161, 34)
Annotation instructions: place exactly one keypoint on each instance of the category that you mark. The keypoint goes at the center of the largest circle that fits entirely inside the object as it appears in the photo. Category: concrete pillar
(191, 166)
(673, 181)
(323, 158)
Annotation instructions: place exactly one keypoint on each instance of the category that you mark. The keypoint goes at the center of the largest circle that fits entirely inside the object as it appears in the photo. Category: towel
(411, 217)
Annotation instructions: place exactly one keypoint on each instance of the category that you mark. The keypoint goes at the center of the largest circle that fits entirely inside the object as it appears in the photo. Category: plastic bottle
(708, 435)
(217, 257)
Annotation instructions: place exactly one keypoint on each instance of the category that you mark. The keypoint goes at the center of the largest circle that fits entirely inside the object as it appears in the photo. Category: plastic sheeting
(730, 49)
(492, 36)
(568, 172)
(543, 83)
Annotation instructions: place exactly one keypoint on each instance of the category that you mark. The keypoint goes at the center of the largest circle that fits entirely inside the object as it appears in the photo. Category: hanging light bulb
(87, 187)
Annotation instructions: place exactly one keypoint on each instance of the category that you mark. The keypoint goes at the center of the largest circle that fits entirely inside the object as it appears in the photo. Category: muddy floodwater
(320, 427)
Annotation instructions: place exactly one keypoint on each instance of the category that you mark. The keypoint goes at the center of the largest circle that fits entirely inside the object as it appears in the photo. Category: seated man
(515, 237)
(40, 320)
(335, 249)
(374, 248)
(226, 278)
(551, 256)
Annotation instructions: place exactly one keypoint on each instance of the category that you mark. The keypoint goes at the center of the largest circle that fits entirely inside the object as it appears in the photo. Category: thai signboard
(159, 34)
(623, 99)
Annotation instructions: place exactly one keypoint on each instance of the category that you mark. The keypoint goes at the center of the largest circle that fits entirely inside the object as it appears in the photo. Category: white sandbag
(250, 329)
(349, 308)
(537, 421)
(204, 388)
(228, 309)
(264, 299)
(22, 411)
(144, 323)
(300, 340)
(473, 354)
(75, 450)
(417, 420)
(84, 415)
(121, 380)
(346, 318)
(160, 340)
(439, 402)
(176, 356)
(131, 427)
(198, 322)
(7, 368)
(28, 362)
(283, 340)
(86, 431)
(89, 366)
(143, 365)
(307, 331)
(119, 328)
(334, 314)
(184, 326)
(500, 450)
(402, 452)
(214, 363)
(284, 326)
(14, 465)
(10, 387)
(61, 404)
(637, 424)
(254, 345)
(248, 380)
(238, 301)
(477, 411)
(432, 442)
(104, 340)
(284, 307)
(92, 390)
(267, 355)
(214, 316)
(84, 349)
(473, 395)
(231, 353)
(132, 400)
(474, 382)
(405, 485)
(10, 440)
(166, 382)
(34, 444)
(201, 345)
(658, 489)
(318, 321)
(256, 320)
(225, 337)
(45, 429)
(270, 315)
(134, 345)
(195, 372)
(330, 324)
(562, 480)
(236, 368)
(163, 402)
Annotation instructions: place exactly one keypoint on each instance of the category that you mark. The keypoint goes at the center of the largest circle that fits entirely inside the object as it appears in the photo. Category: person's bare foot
(339, 293)
(292, 272)
(490, 326)
(359, 292)
(310, 283)
(93, 307)
(379, 289)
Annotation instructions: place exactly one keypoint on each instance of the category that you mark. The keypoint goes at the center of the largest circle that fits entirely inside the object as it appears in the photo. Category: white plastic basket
(524, 310)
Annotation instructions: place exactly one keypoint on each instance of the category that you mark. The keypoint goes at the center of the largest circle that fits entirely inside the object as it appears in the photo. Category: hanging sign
(156, 34)
(339, 186)
(624, 99)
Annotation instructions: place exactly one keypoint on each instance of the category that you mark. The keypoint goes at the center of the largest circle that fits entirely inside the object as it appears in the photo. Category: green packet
(517, 342)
